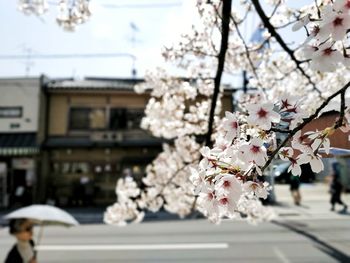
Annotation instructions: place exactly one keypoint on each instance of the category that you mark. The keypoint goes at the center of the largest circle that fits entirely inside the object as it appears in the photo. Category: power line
(66, 56)
(143, 6)
(139, 6)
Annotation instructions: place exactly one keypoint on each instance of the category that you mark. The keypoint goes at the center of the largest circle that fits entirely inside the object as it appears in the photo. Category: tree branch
(280, 41)
(306, 121)
(225, 28)
(339, 123)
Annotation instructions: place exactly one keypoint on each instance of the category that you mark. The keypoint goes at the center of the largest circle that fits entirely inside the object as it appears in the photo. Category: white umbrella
(43, 215)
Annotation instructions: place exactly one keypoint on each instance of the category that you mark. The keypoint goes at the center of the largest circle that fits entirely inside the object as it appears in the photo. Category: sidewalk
(315, 203)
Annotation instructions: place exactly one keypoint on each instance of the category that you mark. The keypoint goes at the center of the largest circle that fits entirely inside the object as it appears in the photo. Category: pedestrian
(294, 189)
(23, 250)
(336, 188)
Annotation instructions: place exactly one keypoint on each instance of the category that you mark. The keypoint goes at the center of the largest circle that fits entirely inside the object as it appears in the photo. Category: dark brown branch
(339, 123)
(318, 9)
(306, 121)
(225, 29)
(281, 42)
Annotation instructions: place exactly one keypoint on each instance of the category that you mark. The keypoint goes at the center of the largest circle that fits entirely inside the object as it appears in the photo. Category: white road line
(183, 246)
(280, 255)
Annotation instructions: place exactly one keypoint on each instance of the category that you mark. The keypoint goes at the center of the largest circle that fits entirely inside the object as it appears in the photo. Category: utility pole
(134, 30)
(29, 62)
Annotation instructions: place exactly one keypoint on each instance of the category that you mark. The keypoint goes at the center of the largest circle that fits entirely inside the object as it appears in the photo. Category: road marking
(280, 255)
(183, 246)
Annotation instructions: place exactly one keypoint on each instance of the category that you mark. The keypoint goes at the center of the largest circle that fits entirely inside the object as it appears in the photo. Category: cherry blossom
(254, 152)
(342, 6)
(326, 58)
(231, 126)
(262, 115)
(335, 25)
(260, 190)
(220, 176)
(301, 23)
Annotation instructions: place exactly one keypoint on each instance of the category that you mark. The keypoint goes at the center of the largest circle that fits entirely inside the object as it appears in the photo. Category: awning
(86, 142)
(18, 144)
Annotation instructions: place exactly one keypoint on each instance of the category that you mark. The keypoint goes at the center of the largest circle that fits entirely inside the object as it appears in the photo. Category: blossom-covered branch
(225, 179)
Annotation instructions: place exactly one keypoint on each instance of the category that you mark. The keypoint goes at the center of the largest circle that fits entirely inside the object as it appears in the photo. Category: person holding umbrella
(23, 250)
(21, 222)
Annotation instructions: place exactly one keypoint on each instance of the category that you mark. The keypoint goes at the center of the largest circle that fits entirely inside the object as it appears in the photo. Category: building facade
(19, 119)
(67, 142)
(92, 138)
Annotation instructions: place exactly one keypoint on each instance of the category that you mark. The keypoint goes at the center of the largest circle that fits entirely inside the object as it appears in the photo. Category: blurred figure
(294, 189)
(23, 250)
(336, 188)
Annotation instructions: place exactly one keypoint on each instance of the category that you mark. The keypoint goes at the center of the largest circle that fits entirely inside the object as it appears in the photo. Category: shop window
(87, 118)
(80, 168)
(134, 117)
(118, 119)
(66, 168)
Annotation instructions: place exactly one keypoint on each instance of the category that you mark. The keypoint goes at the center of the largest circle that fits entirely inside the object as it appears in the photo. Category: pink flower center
(315, 30)
(302, 139)
(285, 153)
(234, 125)
(285, 104)
(262, 113)
(327, 52)
(223, 201)
(210, 196)
(255, 149)
(226, 184)
(254, 186)
(347, 5)
(338, 21)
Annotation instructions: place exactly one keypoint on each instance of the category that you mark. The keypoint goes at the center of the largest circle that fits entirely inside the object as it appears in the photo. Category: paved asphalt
(191, 241)
(307, 233)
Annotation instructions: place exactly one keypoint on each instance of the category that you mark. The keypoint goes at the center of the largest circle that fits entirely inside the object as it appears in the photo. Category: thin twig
(279, 39)
(305, 121)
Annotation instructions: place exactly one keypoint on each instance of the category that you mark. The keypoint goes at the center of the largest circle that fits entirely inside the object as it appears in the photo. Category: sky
(108, 31)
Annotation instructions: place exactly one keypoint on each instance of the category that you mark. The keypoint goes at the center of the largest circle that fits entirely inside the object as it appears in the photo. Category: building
(19, 119)
(67, 142)
(92, 138)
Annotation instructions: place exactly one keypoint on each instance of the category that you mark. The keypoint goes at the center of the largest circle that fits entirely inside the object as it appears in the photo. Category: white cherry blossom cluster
(225, 180)
(166, 185)
(228, 179)
(178, 106)
(71, 12)
(326, 45)
(36, 7)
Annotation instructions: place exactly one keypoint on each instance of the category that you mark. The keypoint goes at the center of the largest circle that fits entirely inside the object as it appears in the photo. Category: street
(193, 241)
(310, 233)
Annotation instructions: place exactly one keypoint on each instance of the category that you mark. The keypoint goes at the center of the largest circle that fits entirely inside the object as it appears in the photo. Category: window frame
(4, 108)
